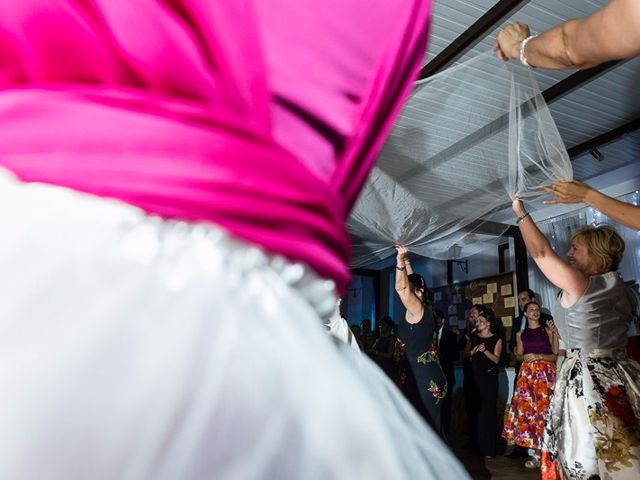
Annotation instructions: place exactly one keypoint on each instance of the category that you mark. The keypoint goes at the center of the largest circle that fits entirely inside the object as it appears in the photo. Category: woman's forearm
(536, 243)
(624, 213)
(562, 47)
(519, 350)
(407, 264)
(540, 356)
(555, 345)
(402, 282)
(491, 356)
(402, 276)
(610, 33)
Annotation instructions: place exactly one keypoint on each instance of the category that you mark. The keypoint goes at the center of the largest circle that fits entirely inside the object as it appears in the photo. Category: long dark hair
(418, 283)
(487, 313)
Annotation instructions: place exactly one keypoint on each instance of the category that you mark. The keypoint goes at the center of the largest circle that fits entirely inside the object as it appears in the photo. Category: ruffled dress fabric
(136, 347)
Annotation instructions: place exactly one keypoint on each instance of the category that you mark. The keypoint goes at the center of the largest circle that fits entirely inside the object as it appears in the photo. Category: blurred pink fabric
(263, 117)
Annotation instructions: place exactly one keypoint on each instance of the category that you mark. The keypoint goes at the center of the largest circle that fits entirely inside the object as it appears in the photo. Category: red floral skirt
(524, 424)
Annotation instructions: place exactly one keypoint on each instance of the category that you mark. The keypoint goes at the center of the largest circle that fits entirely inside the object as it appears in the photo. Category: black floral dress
(422, 380)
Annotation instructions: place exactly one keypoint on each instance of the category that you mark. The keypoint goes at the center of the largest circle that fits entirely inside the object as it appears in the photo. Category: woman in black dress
(425, 384)
(484, 350)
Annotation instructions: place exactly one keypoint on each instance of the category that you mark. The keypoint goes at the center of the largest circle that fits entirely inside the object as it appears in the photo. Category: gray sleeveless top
(601, 317)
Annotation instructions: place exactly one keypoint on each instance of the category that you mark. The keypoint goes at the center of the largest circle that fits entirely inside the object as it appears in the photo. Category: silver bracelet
(523, 44)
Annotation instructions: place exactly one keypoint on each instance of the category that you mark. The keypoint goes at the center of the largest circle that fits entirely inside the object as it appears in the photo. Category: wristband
(523, 57)
(401, 268)
(521, 219)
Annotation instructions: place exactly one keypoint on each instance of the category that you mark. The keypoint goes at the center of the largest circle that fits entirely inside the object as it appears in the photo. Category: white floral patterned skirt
(592, 430)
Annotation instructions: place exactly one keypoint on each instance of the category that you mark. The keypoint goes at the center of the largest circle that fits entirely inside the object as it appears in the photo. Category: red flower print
(617, 403)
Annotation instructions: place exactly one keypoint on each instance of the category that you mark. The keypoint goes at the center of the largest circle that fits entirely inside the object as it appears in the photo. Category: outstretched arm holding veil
(610, 33)
(575, 192)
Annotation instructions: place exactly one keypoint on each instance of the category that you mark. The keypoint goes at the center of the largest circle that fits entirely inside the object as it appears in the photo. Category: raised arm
(411, 302)
(561, 274)
(611, 33)
(553, 338)
(519, 350)
(575, 192)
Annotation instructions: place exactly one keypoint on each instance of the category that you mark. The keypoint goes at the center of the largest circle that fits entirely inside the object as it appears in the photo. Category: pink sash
(166, 105)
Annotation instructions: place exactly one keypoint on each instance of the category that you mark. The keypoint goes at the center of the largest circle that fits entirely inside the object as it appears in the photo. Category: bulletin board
(496, 292)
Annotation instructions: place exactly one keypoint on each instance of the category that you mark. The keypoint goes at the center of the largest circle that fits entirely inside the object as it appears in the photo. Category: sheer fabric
(469, 140)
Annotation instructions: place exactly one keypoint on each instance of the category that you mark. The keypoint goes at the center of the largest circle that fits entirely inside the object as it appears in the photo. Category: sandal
(533, 462)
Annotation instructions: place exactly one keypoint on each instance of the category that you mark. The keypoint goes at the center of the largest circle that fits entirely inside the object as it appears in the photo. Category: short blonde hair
(604, 245)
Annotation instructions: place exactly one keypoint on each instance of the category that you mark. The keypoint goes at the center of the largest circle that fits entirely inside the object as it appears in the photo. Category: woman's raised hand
(507, 45)
(403, 252)
(518, 208)
(567, 192)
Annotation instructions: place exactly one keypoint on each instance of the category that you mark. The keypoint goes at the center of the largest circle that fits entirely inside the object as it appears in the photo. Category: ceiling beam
(603, 139)
(471, 36)
(578, 79)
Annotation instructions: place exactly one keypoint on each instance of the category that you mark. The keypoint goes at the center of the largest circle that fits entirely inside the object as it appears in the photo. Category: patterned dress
(524, 425)
(424, 383)
(592, 430)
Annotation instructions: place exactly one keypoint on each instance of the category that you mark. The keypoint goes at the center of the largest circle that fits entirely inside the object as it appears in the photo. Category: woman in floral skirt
(525, 419)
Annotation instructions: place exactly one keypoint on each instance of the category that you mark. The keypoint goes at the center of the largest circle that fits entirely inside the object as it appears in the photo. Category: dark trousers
(487, 419)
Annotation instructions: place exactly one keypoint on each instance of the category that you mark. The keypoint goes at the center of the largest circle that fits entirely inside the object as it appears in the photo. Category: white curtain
(559, 230)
